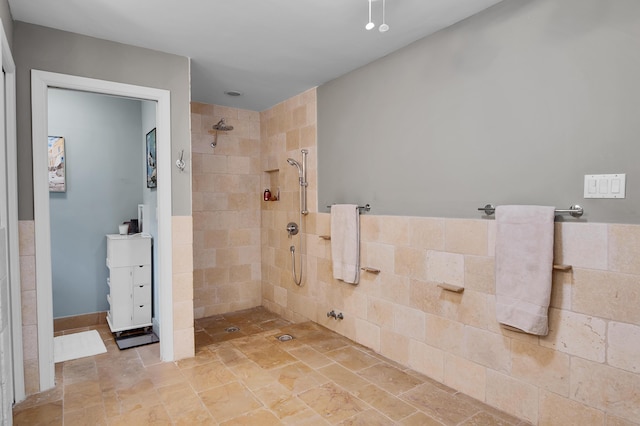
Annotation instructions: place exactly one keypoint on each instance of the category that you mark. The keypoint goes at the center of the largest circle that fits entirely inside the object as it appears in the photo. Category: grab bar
(575, 210)
(366, 208)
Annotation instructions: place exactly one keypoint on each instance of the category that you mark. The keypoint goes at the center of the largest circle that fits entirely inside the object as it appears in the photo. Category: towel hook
(180, 164)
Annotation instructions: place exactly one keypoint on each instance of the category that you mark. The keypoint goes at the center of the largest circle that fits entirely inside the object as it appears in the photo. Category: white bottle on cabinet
(129, 263)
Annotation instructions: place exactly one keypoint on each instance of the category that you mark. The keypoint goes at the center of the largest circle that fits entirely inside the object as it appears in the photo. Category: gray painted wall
(104, 163)
(46, 49)
(512, 106)
(7, 20)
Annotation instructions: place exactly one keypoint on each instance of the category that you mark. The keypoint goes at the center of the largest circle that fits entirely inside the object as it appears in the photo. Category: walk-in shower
(292, 228)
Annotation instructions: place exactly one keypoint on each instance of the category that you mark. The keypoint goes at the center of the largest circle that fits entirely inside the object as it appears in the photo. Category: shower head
(222, 126)
(293, 162)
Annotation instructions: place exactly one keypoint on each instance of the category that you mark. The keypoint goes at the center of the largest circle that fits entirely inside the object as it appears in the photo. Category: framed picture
(57, 165)
(151, 160)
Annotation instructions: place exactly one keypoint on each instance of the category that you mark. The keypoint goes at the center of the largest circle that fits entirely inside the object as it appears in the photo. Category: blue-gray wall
(105, 171)
(511, 106)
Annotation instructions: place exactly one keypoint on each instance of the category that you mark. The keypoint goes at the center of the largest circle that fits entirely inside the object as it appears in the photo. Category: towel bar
(370, 269)
(575, 210)
(366, 208)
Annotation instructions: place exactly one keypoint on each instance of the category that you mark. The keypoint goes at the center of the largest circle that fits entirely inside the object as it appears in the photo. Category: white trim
(40, 83)
(12, 206)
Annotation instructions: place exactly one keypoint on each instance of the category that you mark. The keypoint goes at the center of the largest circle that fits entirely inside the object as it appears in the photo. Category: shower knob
(292, 228)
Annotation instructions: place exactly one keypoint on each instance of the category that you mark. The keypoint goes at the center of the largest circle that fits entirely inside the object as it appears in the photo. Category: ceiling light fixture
(384, 27)
(370, 25)
(233, 93)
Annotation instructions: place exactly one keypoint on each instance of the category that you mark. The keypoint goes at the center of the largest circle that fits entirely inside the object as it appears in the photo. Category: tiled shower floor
(248, 377)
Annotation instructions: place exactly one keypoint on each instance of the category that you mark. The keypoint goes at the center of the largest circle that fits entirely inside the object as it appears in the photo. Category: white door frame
(10, 132)
(41, 81)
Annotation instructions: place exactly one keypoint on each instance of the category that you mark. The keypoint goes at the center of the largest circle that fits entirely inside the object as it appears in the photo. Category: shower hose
(292, 249)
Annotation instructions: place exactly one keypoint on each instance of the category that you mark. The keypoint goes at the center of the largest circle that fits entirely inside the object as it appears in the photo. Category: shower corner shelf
(325, 237)
(272, 170)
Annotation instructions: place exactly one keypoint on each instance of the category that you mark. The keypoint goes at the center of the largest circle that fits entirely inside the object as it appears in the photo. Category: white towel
(345, 242)
(524, 264)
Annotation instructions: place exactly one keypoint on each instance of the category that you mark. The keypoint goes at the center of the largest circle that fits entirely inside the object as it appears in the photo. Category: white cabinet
(129, 263)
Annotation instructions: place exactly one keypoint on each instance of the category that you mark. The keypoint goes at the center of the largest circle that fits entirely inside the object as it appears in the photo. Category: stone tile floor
(249, 377)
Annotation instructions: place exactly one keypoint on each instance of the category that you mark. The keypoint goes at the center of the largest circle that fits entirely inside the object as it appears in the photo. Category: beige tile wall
(286, 129)
(26, 230)
(586, 371)
(226, 198)
(182, 287)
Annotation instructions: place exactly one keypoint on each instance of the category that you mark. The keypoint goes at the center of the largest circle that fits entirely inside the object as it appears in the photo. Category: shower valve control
(292, 228)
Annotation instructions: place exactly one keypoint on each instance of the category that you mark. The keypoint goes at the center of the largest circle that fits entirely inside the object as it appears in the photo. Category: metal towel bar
(575, 210)
(366, 208)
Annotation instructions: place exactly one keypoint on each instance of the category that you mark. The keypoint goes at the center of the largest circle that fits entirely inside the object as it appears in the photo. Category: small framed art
(151, 160)
(57, 164)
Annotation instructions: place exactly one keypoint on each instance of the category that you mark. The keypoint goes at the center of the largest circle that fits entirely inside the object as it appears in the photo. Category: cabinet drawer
(141, 314)
(141, 275)
(141, 294)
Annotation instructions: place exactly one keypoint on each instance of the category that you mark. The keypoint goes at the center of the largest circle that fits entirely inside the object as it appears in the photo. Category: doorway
(97, 180)
(41, 81)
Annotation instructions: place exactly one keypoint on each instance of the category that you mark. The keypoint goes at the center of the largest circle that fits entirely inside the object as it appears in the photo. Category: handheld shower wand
(302, 180)
(293, 162)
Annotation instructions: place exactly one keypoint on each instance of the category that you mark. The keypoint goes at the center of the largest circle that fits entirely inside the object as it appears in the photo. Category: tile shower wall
(226, 210)
(286, 129)
(586, 371)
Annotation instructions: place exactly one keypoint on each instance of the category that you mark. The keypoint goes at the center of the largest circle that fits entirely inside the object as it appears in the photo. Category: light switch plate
(605, 186)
